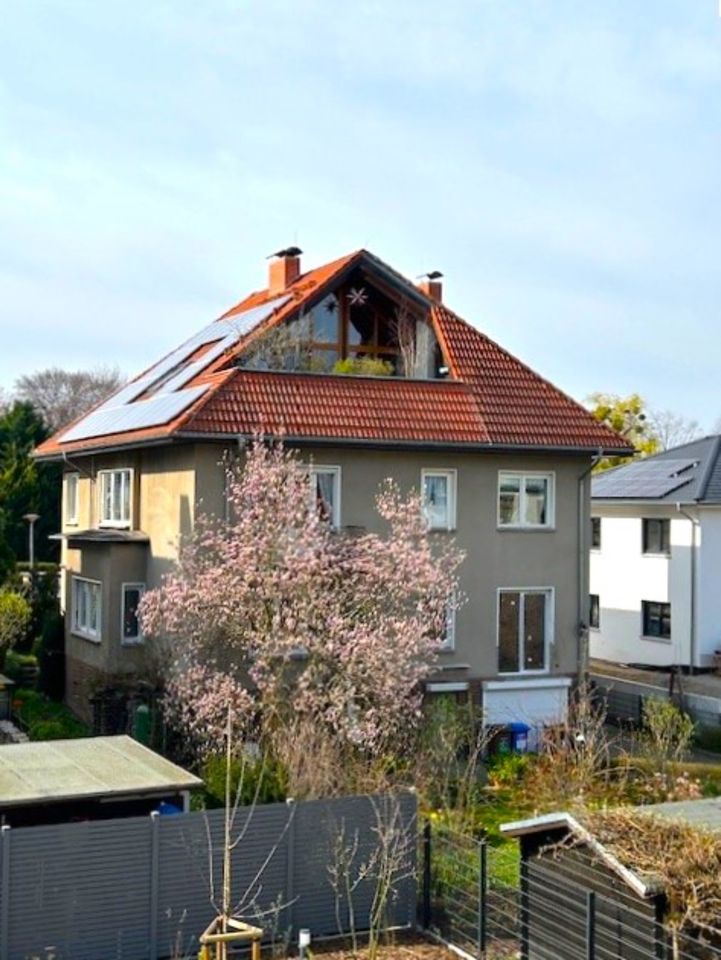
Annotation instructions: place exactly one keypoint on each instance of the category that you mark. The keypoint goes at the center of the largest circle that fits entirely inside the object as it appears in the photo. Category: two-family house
(371, 376)
(656, 557)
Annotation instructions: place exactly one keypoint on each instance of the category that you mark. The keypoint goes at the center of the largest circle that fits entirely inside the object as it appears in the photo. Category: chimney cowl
(430, 284)
(283, 269)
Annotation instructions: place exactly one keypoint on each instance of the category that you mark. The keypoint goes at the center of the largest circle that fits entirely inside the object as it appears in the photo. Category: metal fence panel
(141, 888)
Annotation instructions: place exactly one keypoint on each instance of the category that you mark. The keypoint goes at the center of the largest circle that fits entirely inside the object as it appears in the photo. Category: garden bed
(402, 947)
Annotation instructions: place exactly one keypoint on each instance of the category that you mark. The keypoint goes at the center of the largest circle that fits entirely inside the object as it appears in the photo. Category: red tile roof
(492, 399)
(305, 406)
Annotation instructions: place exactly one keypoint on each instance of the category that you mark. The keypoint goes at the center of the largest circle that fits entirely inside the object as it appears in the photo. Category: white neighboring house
(655, 572)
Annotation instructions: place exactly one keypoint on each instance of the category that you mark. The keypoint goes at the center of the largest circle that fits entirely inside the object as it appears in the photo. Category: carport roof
(86, 768)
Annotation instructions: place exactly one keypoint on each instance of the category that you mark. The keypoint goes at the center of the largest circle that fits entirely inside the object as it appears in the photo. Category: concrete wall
(623, 577)
(174, 483)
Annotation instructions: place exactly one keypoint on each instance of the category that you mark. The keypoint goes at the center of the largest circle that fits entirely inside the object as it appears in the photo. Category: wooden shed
(578, 900)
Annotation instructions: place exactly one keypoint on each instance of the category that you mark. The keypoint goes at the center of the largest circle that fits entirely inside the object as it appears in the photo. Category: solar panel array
(124, 411)
(646, 479)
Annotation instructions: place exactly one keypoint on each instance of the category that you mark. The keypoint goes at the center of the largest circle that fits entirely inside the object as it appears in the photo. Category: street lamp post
(31, 519)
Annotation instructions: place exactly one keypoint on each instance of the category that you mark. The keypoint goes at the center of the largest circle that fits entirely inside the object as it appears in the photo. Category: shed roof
(85, 768)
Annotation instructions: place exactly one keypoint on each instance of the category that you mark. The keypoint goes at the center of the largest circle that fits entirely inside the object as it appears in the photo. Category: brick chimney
(283, 269)
(430, 284)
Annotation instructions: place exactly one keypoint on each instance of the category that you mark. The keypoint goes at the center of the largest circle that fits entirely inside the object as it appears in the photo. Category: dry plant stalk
(345, 876)
(686, 860)
(393, 863)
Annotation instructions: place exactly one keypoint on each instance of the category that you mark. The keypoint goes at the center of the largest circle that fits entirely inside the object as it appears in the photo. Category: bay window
(87, 608)
(130, 624)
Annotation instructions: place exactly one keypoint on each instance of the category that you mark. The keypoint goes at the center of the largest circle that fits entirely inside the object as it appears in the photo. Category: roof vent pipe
(284, 269)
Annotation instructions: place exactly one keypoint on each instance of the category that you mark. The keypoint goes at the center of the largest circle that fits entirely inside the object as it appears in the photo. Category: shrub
(44, 719)
(667, 732)
(20, 667)
(15, 615)
(364, 367)
(508, 769)
(262, 781)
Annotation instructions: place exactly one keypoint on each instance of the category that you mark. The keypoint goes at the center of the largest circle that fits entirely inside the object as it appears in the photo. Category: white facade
(688, 578)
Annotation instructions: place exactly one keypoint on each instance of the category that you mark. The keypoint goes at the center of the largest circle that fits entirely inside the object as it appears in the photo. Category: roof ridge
(709, 468)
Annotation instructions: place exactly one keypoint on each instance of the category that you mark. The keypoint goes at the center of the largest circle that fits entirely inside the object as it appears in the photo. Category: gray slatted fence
(140, 888)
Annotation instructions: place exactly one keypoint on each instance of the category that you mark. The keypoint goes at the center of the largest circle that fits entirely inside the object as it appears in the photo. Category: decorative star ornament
(357, 298)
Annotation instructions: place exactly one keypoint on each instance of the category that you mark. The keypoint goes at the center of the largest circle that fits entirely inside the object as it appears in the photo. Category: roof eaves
(554, 821)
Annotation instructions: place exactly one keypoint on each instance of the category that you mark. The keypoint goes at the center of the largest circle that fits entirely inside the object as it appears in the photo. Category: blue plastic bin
(519, 737)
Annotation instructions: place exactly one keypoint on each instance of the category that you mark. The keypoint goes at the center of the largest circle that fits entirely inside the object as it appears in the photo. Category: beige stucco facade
(172, 483)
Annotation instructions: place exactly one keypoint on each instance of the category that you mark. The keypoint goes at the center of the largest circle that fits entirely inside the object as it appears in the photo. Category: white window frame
(77, 628)
(129, 641)
(448, 645)
(451, 476)
(524, 475)
(110, 522)
(335, 471)
(72, 482)
(550, 626)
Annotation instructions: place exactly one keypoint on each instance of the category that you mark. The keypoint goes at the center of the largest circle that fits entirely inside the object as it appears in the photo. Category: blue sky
(558, 160)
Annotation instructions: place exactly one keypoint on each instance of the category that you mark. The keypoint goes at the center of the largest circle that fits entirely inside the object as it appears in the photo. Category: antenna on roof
(288, 252)
(431, 275)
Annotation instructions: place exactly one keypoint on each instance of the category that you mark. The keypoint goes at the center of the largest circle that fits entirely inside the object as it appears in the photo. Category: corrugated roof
(492, 399)
(690, 473)
(85, 768)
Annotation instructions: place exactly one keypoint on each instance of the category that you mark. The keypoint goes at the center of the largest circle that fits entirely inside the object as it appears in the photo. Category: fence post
(4, 892)
(525, 945)
(590, 925)
(290, 867)
(482, 891)
(154, 864)
(426, 898)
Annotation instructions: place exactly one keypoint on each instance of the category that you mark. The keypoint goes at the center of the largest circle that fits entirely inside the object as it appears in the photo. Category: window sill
(656, 556)
(109, 525)
(520, 674)
(86, 636)
(442, 529)
(666, 640)
(595, 629)
(72, 523)
(513, 528)
(127, 642)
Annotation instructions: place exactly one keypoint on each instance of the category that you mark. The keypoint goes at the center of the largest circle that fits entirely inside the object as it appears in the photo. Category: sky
(558, 160)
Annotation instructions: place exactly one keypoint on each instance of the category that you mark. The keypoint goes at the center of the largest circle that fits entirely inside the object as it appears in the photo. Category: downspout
(692, 632)
(583, 562)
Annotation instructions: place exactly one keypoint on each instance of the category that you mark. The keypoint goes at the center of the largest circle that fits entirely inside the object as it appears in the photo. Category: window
(448, 639)
(524, 630)
(86, 608)
(656, 619)
(595, 533)
(439, 498)
(325, 492)
(594, 611)
(657, 536)
(525, 500)
(130, 625)
(71, 497)
(115, 497)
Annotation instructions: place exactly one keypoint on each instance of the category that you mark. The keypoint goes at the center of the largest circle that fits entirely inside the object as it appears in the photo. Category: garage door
(535, 702)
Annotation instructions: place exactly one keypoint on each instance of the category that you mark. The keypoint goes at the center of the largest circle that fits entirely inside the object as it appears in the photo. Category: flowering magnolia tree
(277, 614)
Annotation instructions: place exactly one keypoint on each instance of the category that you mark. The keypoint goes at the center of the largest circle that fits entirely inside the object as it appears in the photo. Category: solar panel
(645, 479)
(123, 411)
(153, 412)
